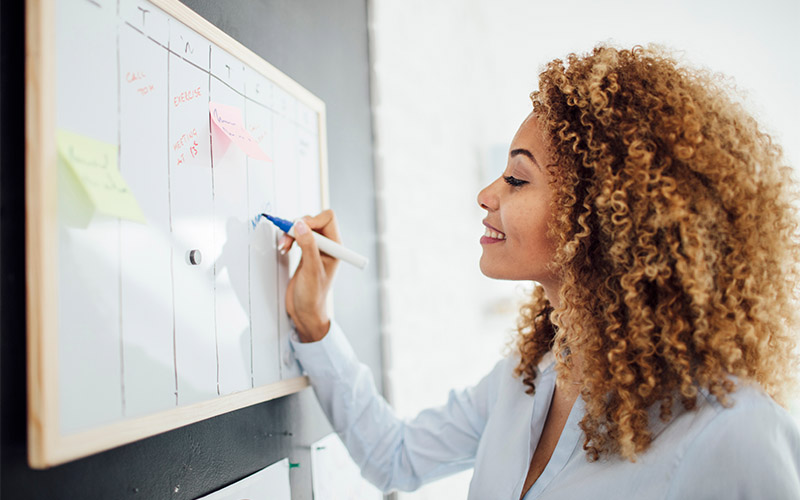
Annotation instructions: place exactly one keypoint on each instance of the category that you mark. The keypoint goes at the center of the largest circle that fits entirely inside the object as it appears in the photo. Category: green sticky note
(94, 164)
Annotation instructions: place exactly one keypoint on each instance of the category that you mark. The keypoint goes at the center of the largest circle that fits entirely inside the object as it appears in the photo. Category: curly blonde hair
(677, 243)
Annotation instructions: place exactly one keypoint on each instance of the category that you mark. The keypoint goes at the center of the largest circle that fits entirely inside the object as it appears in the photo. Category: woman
(657, 220)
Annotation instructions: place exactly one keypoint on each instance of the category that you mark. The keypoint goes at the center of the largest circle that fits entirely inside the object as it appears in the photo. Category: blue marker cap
(283, 224)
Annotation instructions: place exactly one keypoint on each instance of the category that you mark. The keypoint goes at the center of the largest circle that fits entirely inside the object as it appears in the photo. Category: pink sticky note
(229, 121)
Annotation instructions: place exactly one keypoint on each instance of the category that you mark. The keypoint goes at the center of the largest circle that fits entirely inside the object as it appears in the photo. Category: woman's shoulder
(750, 419)
(748, 448)
(748, 407)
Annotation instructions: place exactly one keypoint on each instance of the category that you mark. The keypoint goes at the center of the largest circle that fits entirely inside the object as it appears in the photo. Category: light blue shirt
(748, 451)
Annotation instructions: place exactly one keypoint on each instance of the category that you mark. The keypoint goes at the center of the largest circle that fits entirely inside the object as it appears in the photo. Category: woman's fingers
(305, 238)
(285, 243)
(323, 223)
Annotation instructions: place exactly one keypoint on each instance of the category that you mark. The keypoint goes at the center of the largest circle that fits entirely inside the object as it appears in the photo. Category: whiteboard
(138, 325)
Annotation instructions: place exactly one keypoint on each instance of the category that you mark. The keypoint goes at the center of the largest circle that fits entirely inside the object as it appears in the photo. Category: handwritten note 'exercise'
(229, 120)
(94, 164)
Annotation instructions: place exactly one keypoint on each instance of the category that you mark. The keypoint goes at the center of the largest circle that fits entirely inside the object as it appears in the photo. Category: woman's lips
(486, 240)
(491, 235)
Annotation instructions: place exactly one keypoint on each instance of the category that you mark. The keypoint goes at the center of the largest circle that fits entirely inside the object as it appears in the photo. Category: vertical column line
(213, 222)
(119, 224)
(171, 229)
(251, 231)
(277, 262)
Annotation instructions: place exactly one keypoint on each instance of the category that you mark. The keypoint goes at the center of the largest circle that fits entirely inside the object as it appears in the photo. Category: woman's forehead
(529, 136)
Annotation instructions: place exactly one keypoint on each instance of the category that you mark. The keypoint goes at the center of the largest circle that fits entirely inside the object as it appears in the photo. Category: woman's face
(515, 244)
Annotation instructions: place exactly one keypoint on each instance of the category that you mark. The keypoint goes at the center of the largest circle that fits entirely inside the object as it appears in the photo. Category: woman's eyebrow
(515, 152)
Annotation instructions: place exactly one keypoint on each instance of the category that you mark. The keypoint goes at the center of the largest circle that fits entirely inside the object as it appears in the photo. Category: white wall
(450, 85)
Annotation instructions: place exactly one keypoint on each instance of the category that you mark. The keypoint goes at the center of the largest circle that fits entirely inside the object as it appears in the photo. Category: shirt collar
(547, 362)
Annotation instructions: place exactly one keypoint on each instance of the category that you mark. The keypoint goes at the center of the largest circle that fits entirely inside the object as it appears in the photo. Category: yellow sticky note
(94, 164)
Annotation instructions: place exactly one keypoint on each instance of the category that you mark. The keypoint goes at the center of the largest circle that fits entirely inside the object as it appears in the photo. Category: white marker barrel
(336, 250)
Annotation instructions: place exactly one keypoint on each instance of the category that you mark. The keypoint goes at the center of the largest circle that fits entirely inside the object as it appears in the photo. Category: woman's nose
(487, 197)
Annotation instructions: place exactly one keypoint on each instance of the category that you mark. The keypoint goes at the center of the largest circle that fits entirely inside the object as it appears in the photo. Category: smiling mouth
(492, 236)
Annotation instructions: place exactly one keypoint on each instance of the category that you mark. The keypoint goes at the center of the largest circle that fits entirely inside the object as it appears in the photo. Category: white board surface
(143, 329)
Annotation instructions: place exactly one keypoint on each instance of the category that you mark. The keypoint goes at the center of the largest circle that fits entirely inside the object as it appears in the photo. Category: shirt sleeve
(394, 453)
(751, 450)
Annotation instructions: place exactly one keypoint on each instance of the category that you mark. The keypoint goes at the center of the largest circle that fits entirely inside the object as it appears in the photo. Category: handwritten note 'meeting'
(94, 164)
(229, 120)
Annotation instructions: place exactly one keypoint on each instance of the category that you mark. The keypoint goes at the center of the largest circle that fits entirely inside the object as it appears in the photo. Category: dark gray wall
(322, 45)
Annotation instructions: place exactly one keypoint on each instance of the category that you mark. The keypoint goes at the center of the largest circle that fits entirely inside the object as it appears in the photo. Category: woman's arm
(393, 453)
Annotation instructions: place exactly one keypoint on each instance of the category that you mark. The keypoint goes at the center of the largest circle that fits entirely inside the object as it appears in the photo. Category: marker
(324, 244)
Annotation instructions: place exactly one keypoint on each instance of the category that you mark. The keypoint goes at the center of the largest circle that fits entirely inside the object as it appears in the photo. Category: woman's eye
(513, 181)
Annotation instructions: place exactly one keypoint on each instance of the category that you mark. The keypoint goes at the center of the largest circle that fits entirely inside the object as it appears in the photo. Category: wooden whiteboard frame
(46, 446)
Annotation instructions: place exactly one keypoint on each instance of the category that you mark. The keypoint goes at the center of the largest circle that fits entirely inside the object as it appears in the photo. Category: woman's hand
(308, 288)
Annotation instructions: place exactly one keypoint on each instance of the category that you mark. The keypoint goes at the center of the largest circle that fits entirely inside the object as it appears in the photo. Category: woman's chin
(493, 272)
(507, 272)
(485, 268)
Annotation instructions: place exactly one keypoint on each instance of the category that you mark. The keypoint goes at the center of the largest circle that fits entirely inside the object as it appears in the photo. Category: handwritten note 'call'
(229, 120)
(94, 164)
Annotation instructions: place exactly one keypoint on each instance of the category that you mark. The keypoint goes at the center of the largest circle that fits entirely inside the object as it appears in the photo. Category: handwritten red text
(187, 140)
(132, 76)
(258, 133)
(186, 96)
(138, 77)
(184, 139)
